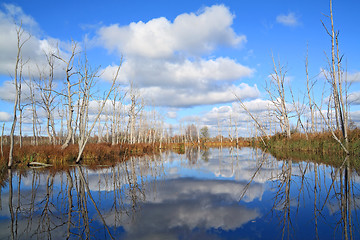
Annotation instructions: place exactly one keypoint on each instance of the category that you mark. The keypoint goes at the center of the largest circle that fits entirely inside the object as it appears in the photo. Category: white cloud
(4, 116)
(353, 77)
(171, 114)
(17, 14)
(355, 116)
(8, 92)
(193, 34)
(184, 82)
(32, 51)
(258, 105)
(189, 97)
(165, 59)
(354, 98)
(109, 72)
(288, 20)
(179, 73)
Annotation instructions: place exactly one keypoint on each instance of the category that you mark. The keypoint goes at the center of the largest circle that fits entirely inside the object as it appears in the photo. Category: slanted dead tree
(87, 82)
(257, 122)
(21, 40)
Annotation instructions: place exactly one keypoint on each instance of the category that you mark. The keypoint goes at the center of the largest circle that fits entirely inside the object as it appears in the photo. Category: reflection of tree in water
(346, 199)
(192, 154)
(205, 154)
(298, 181)
(282, 199)
(66, 205)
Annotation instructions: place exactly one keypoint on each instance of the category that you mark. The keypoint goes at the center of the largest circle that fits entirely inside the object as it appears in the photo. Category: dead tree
(33, 103)
(257, 122)
(68, 95)
(21, 40)
(47, 95)
(133, 111)
(2, 139)
(115, 115)
(276, 91)
(299, 109)
(309, 86)
(334, 76)
(87, 82)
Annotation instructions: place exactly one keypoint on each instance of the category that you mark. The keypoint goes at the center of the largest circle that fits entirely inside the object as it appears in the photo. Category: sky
(188, 58)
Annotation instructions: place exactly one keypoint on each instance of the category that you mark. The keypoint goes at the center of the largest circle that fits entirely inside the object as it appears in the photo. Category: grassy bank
(99, 153)
(95, 153)
(318, 147)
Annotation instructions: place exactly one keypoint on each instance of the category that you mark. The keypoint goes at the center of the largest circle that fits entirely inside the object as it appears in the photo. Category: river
(226, 193)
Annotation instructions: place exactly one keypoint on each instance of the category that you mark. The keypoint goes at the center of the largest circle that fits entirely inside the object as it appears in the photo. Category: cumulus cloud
(160, 38)
(165, 59)
(4, 116)
(288, 20)
(182, 73)
(234, 114)
(185, 83)
(34, 49)
(188, 97)
(203, 207)
(257, 106)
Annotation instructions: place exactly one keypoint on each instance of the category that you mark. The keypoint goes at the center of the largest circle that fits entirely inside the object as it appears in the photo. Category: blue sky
(188, 57)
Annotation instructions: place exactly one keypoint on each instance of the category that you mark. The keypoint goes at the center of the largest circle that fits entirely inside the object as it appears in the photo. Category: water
(214, 194)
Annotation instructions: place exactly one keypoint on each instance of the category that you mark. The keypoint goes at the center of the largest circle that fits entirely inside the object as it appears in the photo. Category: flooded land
(226, 193)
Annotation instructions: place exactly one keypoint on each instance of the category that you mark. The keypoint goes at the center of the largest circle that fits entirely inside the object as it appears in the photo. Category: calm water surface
(214, 194)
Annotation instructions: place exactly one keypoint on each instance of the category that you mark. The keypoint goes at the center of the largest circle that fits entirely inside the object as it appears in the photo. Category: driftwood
(38, 164)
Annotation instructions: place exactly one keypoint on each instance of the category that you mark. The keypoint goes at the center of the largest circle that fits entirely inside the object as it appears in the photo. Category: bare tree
(47, 95)
(20, 106)
(335, 78)
(309, 86)
(116, 107)
(69, 92)
(21, 40)
(276, 91)
(299, 109)
(134, 110)
(87, 82)
(258, 124)
(2, 139)
(32, 99)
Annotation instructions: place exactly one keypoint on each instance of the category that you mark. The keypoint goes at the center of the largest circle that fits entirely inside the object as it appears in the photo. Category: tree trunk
(18, 63)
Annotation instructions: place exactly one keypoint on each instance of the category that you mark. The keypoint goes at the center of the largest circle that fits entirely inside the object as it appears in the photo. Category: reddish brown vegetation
(99, 153)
